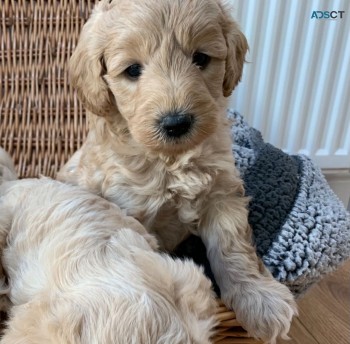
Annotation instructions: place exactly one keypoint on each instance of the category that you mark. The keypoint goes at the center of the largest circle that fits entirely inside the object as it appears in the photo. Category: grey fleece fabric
(301, 228)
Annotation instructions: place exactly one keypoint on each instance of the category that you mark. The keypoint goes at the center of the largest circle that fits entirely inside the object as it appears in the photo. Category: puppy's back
(54, 222)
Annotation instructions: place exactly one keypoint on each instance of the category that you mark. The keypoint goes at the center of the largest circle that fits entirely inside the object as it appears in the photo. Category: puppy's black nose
(175, 124)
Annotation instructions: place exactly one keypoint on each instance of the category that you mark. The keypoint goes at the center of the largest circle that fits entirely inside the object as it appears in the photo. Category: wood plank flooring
(324, 312)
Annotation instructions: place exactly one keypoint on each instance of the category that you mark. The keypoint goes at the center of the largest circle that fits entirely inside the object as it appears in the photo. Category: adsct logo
(327, 14)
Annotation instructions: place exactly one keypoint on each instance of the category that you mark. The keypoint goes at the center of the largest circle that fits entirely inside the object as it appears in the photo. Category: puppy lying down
(81, 272)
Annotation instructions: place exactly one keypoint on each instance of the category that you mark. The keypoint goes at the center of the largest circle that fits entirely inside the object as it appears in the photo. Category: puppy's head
(162, 68)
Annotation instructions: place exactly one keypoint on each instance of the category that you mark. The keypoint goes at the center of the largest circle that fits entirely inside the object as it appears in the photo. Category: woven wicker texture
(42, 122)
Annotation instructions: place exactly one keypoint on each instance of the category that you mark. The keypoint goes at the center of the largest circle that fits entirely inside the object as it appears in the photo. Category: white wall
(340, 183)
(296, 86)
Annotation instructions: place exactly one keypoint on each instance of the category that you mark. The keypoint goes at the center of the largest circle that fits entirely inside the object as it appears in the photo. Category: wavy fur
(179, 186)
(80, 272)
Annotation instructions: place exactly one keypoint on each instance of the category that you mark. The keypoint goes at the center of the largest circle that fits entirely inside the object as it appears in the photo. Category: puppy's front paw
(265, 308)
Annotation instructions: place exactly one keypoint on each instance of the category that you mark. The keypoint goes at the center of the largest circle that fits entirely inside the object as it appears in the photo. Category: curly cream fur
(181, 186)
(81, 272)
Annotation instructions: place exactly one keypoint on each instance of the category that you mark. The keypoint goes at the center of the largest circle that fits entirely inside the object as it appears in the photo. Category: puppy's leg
(264, 306)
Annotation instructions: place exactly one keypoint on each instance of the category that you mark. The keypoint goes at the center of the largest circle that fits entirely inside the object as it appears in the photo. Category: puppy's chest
(163, 193)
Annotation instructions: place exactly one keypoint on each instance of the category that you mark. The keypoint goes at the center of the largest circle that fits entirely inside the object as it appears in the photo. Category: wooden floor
(324, 312)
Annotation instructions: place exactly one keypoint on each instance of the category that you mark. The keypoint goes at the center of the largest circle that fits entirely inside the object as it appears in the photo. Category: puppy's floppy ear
(87, 67)
(194, 298)
(193, 290)
(237, 47)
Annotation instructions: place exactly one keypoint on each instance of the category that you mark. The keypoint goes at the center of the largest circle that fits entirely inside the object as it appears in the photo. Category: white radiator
(296, 86)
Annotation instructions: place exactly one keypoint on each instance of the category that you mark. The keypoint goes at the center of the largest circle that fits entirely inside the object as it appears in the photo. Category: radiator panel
(296, 84)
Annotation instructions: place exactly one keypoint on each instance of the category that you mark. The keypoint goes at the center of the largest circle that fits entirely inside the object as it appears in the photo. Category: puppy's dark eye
(134, 71)
(201, 60)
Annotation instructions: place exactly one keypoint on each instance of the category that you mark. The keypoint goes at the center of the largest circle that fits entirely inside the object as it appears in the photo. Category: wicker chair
(41, 120)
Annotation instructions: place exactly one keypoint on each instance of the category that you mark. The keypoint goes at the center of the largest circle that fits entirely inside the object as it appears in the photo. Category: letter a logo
(314, 15)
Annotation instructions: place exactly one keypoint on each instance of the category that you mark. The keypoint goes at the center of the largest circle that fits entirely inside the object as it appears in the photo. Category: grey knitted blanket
(301, 229)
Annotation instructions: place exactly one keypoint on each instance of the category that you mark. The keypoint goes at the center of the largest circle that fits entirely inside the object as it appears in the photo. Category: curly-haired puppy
(81, 272)
(155, 77)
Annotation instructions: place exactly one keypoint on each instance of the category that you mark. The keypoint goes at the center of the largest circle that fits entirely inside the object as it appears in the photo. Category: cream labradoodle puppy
(81, 272)
(155, 77)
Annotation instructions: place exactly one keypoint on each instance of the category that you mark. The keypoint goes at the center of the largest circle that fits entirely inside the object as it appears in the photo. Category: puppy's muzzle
(176, 124)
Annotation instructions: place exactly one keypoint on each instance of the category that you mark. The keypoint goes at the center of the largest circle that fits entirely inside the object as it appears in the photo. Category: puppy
(155, 77)
(81, 272)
